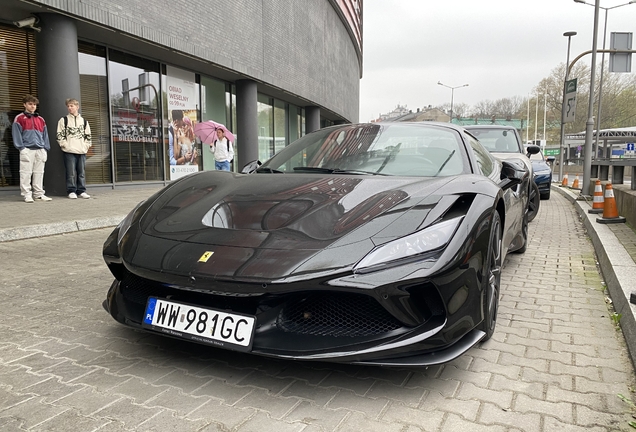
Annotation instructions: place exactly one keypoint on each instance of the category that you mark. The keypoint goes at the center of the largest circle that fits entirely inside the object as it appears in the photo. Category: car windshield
(375, 149)
(497, 140)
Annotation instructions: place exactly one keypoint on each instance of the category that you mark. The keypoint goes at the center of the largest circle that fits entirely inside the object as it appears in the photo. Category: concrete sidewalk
(615, 244)
(615, 247)
(105, 208)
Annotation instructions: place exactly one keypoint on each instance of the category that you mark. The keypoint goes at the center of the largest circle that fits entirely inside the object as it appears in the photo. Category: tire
(493, 279)
(533, 201)
(545, 196)
(524, 232)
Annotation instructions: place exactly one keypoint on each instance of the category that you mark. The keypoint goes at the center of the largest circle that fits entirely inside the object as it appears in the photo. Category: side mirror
(551, 158)
(250, 167)
(533, 149)
(513, 172)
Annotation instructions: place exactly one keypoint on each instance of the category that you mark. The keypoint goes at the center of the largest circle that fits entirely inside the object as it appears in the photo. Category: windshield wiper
(336, 171)
(268, 170)
(444, 164)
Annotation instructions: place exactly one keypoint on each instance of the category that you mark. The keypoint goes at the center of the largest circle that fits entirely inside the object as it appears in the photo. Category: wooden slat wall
(17, 78)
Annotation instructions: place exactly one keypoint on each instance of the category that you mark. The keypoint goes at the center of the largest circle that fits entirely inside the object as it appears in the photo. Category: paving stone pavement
(556, 361)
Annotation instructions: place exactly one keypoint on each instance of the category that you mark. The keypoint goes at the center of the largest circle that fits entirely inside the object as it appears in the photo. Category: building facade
(270, 70)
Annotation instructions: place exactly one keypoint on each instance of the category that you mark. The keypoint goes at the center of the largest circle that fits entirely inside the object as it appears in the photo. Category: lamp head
(572, 33)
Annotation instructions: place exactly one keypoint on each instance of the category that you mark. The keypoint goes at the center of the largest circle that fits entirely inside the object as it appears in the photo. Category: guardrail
(601, 170)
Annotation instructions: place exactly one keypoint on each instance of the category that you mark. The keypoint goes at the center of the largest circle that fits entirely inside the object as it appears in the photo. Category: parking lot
(557, 360)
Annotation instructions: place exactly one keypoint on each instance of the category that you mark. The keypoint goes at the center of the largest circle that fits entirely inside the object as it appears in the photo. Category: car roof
(489, 127)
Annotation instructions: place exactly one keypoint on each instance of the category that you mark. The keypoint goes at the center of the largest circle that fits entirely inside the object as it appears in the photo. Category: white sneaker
(72, 195)
(84, 195)
(44, 198)
(28, 199)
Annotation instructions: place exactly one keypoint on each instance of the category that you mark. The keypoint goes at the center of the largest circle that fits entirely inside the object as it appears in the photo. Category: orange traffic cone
(575, 183)
(565, 180)
(598, 204)
(610, 213)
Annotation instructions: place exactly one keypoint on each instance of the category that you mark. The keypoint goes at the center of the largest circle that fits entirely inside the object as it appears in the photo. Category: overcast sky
(501, 48)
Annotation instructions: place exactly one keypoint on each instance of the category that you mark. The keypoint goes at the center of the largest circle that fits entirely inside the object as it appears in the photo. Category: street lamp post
(567, 70)
(600, 83)
(452, 95)
(589, 125)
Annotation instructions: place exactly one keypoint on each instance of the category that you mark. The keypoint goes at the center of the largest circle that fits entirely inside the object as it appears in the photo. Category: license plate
(213, 327)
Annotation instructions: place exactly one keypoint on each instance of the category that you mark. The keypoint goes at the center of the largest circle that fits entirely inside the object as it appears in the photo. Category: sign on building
(569, 108)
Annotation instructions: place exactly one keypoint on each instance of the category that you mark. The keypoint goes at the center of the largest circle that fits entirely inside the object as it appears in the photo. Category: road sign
(620, 62)
(551, 152)
(569, 108)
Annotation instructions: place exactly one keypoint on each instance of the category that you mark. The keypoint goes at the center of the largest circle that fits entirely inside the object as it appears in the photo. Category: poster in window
(182, 116)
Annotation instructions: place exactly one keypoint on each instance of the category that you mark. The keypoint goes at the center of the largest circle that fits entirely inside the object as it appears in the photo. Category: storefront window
(280, 126)
(213, 107)
(265, 127)
(94, 108)
(136, 111)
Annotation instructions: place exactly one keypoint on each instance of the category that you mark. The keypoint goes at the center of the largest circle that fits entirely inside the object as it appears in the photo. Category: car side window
(485, 161)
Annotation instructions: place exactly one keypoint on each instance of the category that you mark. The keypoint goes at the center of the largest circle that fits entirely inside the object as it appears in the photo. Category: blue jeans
(222, 166)
(75, 173)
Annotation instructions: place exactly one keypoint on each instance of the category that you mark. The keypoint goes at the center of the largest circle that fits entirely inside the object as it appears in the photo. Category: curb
(617, 266)
(32, 231)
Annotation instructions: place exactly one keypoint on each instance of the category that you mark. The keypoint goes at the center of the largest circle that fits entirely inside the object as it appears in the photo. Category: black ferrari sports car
(375, 243)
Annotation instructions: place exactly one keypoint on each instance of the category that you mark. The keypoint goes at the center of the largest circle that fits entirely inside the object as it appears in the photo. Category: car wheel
(533, 201)
(493, 283)
(524, 233)
(545, 196)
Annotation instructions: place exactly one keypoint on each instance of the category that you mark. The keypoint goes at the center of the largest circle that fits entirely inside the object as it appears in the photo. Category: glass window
(295, 124)
(94, 108)
(265, 127)
(213, 107)
(134, 96)
(280, 126)
(485, 162)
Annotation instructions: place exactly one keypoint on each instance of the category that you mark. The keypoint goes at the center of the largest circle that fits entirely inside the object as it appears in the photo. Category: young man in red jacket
(31, 138)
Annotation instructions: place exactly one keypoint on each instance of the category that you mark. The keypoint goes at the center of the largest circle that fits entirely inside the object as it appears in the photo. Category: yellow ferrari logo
(206, 256)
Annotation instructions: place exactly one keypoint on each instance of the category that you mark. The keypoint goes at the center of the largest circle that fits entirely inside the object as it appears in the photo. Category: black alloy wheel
(534, 199)
(493, 284)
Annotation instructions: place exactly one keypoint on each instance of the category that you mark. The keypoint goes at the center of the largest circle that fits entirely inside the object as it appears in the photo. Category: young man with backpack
(223, 151)
(74, 137)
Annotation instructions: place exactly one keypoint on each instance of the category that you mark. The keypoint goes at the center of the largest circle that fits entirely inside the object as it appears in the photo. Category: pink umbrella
(206, 131)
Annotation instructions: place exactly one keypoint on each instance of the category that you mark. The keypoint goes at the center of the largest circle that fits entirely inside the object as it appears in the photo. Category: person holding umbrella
(223, 150)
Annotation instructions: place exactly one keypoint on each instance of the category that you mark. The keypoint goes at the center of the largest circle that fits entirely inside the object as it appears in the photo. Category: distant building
(398, 111)
(401, 114)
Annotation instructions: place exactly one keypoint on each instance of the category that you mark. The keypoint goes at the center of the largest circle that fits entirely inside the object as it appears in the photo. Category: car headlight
(426, 240)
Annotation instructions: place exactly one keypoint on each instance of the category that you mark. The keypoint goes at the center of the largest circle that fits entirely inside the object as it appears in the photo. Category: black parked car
(542, 174)
(363, 243)
(504, 142)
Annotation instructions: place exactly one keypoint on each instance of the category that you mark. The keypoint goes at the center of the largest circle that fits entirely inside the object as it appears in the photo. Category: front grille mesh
(336, 315)
(318, 314)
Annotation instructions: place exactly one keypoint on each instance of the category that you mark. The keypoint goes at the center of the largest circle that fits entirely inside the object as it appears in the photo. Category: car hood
(539, 166)
(274, 225)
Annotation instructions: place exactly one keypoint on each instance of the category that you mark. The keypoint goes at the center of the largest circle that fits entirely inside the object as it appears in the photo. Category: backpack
(85, 123)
